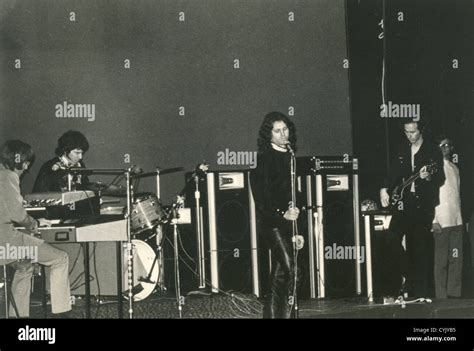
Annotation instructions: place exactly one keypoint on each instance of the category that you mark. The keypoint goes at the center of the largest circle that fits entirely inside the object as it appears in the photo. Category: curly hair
(15, 153)
(71, 140)
(265, 132)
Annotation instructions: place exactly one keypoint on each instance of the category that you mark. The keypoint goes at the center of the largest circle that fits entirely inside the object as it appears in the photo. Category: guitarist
(413, 215)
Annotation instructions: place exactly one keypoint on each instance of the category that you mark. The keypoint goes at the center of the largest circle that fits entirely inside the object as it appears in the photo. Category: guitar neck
(411, 179)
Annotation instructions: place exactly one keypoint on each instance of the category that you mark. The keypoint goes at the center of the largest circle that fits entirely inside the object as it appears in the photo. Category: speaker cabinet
(328, 194)
(384, 276)
(230, 233)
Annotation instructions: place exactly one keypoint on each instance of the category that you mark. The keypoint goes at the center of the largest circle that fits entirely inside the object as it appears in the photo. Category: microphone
(200, 170)
(289, 148)
(136, 170)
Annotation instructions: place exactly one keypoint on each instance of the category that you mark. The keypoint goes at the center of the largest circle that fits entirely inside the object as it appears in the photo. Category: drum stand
(159, 257)
(159, 248)
(179, 298)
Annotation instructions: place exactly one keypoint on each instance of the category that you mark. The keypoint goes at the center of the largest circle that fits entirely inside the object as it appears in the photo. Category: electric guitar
(397, 192)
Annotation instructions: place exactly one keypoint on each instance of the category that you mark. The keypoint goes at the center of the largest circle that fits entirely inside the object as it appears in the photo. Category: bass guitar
(398, 191)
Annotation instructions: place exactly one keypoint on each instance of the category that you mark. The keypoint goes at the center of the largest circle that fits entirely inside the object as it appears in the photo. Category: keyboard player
(15, 158)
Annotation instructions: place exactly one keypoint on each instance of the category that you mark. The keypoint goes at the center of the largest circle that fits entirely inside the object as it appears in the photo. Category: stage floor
(240, 306)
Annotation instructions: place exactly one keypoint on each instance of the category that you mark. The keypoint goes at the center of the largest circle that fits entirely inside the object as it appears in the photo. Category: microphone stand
(129, 242)
(294, 228)
(199, 234)
(173, 220)
(196, 175)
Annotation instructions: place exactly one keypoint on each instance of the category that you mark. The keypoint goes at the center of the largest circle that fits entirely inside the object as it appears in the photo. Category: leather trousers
(279, 301)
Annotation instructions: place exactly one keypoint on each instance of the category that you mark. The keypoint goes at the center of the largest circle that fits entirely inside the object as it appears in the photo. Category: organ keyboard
(83, 230)
(77, 220)
(47, 199)
(70, 204)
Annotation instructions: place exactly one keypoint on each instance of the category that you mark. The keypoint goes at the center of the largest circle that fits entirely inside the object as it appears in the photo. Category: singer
(53, 175)
(271, 186)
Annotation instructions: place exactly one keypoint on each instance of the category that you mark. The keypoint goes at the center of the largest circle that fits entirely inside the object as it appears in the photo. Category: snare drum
(147, 213)
(143, 258)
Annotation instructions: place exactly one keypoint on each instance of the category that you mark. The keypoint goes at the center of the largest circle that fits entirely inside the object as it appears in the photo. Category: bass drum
(144, 262)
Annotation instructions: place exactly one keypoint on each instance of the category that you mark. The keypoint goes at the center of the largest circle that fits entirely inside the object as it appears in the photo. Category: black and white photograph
(236, 159)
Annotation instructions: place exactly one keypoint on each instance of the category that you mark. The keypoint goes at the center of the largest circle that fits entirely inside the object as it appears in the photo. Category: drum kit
(142, 256)
(147, 218)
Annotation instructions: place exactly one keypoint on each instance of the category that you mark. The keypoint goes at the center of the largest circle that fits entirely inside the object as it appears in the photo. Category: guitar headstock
(432, 168)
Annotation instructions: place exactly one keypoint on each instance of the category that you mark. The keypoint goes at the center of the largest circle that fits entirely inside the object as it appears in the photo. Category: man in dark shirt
(53, 175)
(271, 186)
(413, 215)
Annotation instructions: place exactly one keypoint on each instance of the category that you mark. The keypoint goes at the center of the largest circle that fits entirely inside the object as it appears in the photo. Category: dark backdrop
(284, 65)
(419, 52)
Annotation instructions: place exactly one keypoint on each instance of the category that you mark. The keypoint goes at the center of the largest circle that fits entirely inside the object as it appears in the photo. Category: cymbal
(116, 190)
(105, 189)
(171, 170)
(97, 186)
(161, 172)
